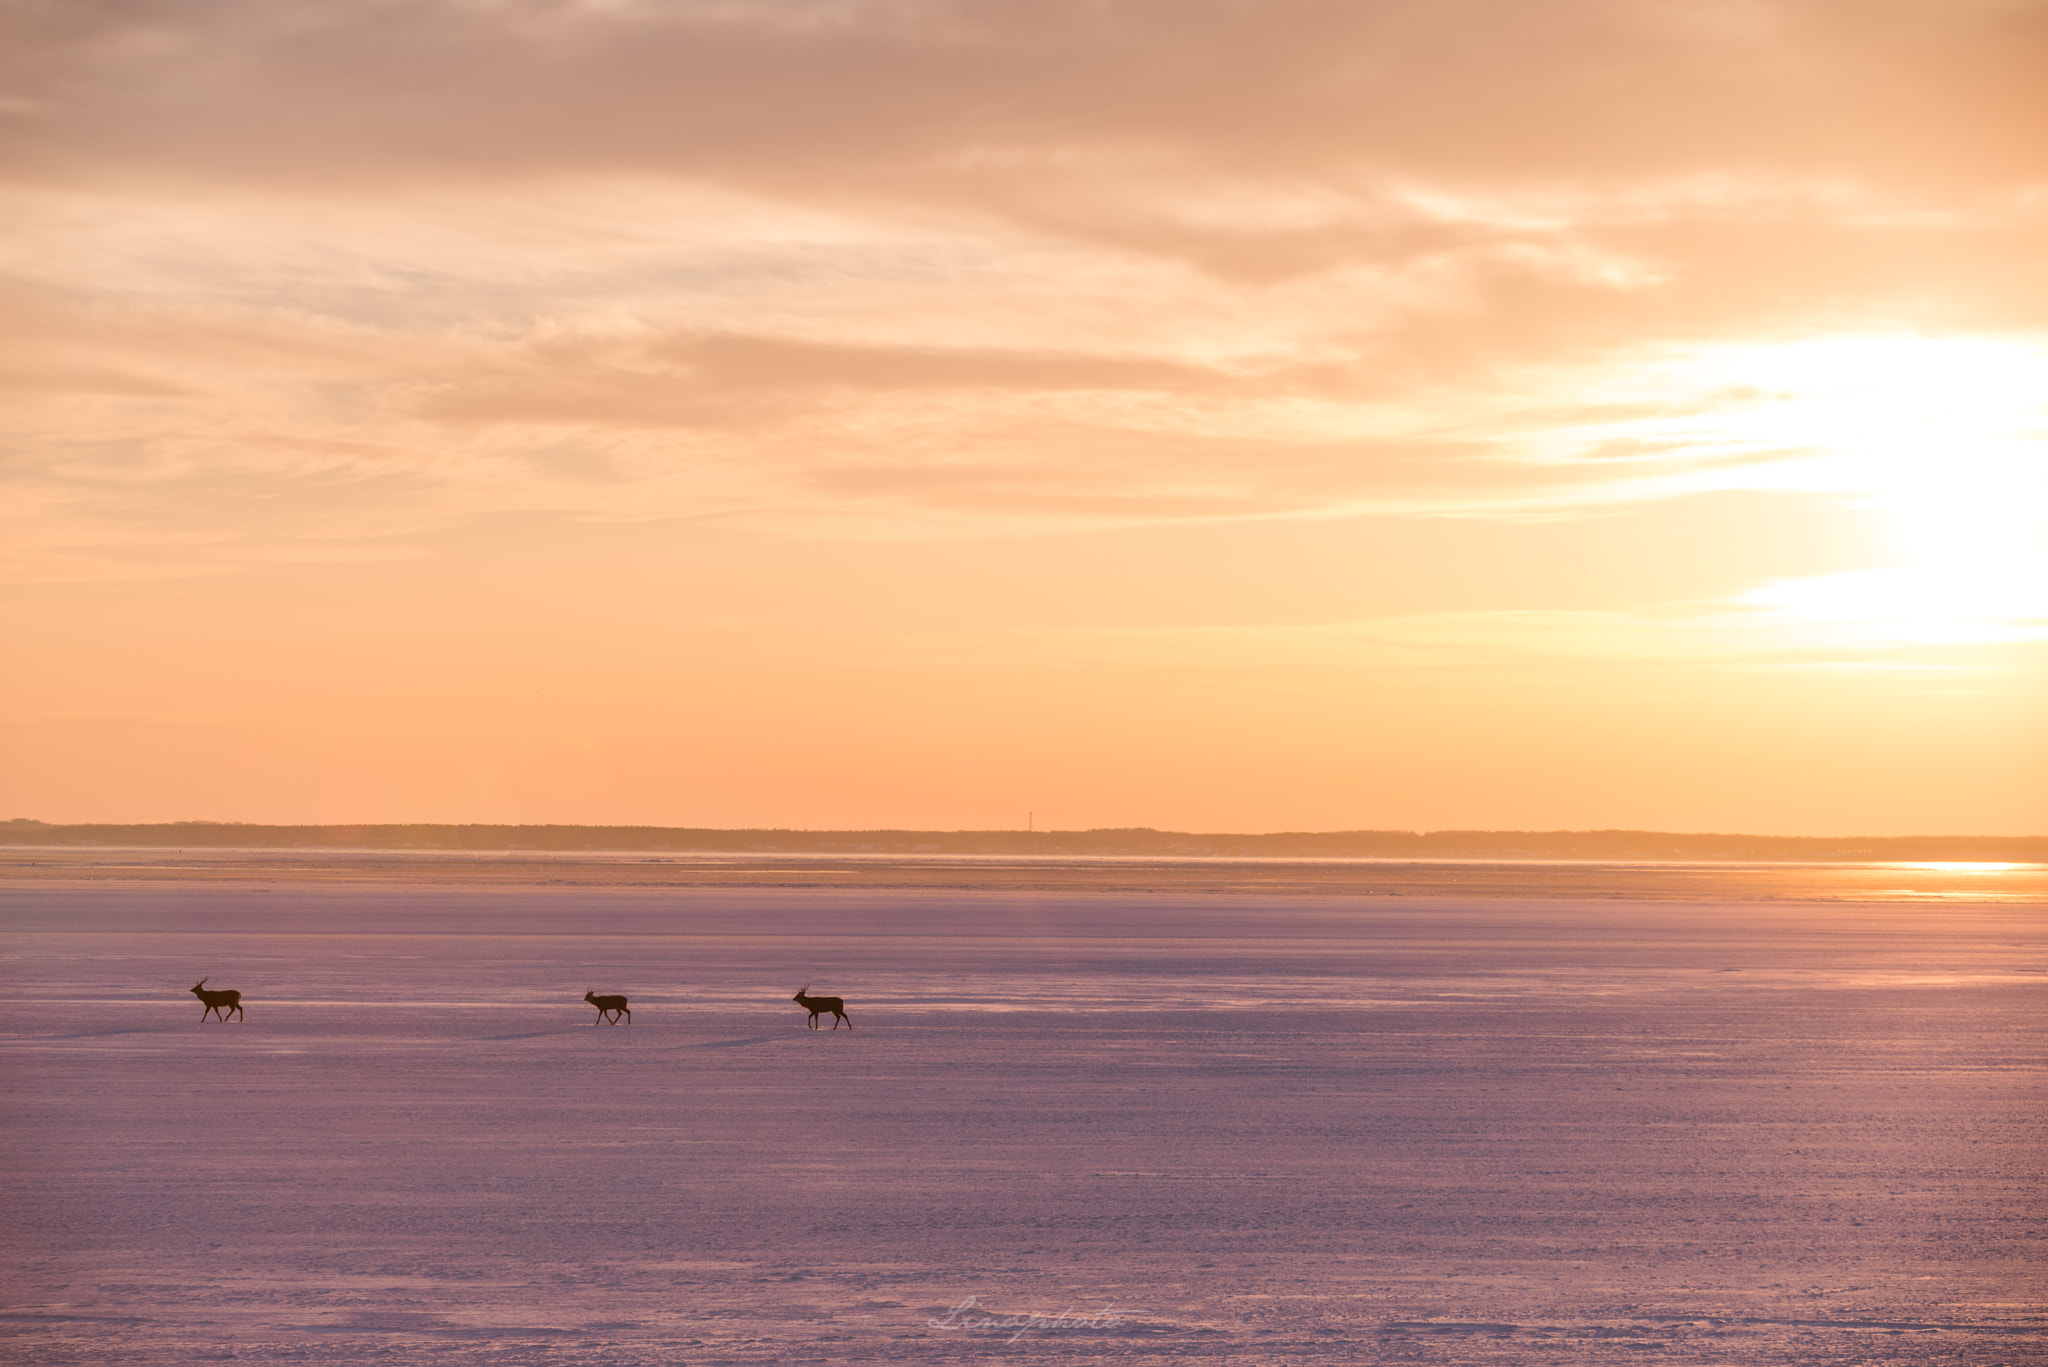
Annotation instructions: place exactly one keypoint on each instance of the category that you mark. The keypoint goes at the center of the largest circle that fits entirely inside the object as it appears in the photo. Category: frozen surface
(1213, 1129)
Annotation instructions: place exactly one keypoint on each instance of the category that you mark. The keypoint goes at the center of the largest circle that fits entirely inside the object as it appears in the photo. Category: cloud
(1013, 89)
(905, 267)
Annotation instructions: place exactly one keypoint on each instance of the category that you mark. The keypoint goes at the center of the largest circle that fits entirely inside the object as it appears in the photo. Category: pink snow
(1072, 1128)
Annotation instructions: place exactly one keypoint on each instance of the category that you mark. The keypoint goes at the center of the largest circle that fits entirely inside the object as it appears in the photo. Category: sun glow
(1948, 438)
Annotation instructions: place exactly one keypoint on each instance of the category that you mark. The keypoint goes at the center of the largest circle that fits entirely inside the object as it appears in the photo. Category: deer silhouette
(608, 1007)
(218, 1003)
(817, 1006)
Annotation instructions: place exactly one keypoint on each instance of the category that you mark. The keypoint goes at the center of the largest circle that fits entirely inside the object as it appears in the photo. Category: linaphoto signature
(969, 1316)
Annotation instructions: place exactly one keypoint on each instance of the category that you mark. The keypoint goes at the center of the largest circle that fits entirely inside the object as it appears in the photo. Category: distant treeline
(1122, 841)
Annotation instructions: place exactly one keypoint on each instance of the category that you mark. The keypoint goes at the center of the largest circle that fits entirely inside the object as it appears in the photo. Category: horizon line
(17, 825)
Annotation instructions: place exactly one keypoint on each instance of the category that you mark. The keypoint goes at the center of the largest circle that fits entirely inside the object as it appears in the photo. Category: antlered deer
(612, 1007)
(817, 1006)
(216, 1001)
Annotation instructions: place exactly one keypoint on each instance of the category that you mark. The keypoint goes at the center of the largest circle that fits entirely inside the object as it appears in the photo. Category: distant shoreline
(1139, 841)
(693, 873)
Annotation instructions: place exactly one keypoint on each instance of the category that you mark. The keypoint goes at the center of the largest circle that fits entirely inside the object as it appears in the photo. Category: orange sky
(1207, 415)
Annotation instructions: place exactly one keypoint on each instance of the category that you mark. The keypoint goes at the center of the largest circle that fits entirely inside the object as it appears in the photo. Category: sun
(1947, 438)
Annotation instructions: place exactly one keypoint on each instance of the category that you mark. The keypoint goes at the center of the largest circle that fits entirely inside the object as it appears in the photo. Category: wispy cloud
(349, 283)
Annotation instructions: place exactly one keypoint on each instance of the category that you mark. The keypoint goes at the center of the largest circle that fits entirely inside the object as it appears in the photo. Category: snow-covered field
(1208, 1128)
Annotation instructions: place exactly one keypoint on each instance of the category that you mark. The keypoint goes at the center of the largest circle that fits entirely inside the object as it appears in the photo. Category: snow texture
(1205, 1129)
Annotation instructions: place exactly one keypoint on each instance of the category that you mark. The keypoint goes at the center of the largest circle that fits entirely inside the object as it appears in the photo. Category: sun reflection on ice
(1964, 866)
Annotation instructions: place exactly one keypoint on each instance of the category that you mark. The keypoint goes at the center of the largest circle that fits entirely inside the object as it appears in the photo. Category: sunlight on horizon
(1973, 867)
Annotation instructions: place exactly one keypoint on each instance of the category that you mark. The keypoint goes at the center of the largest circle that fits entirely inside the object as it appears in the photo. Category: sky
(1208, 415)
